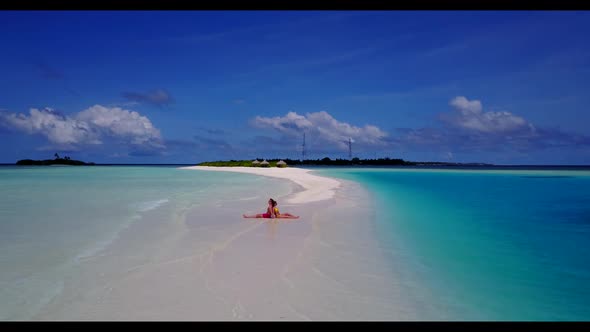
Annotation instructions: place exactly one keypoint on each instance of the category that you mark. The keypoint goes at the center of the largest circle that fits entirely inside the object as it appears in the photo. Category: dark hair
(273, 202)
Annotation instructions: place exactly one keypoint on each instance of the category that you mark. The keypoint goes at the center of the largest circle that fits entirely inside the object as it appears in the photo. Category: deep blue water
(488, 244)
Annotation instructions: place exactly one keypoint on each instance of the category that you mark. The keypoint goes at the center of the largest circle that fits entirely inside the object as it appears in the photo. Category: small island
(258, 162)
(66, 161)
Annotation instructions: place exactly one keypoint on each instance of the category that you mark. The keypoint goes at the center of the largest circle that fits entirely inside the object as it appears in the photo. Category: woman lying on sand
(272, 211)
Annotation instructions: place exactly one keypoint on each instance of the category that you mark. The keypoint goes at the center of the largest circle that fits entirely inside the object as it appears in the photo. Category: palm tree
(56, 156)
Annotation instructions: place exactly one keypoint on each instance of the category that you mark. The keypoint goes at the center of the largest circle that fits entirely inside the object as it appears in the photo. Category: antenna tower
(303, 148)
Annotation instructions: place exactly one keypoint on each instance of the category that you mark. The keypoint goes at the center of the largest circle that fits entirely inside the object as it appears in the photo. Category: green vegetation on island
(332, 162)
(57, 161)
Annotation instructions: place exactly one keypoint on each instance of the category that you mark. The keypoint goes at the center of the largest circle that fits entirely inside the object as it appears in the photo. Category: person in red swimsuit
(269, 211)
(272, 211)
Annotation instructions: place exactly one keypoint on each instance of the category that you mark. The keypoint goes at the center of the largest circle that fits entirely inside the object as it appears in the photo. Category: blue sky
(183, 87)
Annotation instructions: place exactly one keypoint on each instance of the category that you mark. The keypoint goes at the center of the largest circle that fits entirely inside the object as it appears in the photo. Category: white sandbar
(206, 262)
(316, 188)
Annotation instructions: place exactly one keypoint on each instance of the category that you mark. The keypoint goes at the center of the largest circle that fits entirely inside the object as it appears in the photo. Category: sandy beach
(303, 165)
(315, 188)
(209, 263)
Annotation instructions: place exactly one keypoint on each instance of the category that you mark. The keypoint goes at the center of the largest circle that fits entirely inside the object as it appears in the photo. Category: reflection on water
(271, 227)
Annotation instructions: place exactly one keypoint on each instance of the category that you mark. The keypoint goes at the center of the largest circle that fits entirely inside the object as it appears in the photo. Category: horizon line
(471, 164)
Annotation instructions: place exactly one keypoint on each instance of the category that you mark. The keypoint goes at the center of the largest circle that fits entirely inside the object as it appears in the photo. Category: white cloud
(292, 123)
(465, 106)
(122, 123)
(57, 128)
(88, 127)
(470, 115)
(323, 126)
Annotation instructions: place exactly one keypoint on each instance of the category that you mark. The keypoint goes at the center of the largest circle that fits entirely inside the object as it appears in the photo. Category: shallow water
(487, 245)
(450, 244)
(54, 218)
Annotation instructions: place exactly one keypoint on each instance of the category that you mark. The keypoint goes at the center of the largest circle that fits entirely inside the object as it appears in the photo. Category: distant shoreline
(315, 187)
(53, 162)
(331, 162)
(384, 163)
(363, 166)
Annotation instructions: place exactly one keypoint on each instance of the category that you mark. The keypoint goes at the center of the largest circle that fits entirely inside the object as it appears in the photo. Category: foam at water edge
(151, 205)
(248, 198)
(102, 245)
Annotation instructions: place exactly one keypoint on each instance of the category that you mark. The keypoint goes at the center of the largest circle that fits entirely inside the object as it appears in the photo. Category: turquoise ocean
(495, 244)
(475, 244)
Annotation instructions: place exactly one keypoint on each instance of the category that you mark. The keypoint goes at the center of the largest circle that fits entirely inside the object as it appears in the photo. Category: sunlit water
(487, 244)
(53, 218)
(473, 244)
